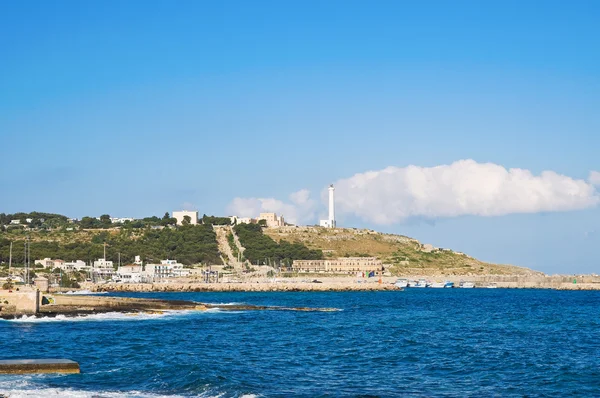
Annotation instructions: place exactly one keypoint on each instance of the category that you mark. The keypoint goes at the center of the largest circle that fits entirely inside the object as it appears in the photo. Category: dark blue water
(420, 342)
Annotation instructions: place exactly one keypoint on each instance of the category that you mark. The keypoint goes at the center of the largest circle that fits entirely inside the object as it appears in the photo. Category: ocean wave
(26, 386)
(73, 393)
(84, 293)
(107, 316)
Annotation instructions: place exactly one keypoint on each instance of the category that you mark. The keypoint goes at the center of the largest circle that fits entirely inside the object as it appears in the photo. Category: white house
(166, 269)
(242, 220)
(130, 273)
(77, 265)
(117, 220)
(103, 269)
(103, 263)
(180, 216)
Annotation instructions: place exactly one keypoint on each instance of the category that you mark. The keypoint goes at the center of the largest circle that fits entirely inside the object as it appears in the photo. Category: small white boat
(492, 286)
(448, 284)
(467, 285)
(438, 285)
(422, 283)
(402, 283)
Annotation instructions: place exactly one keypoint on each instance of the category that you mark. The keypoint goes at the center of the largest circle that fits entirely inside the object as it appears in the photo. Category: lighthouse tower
(330, 222)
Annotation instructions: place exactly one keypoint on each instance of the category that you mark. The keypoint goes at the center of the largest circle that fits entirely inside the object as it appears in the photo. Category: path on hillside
(222, 232)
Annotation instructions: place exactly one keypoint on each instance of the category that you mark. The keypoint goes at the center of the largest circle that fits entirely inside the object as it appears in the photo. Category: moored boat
(467, 285)
(421, 283)
(402, 283)
(438, 285)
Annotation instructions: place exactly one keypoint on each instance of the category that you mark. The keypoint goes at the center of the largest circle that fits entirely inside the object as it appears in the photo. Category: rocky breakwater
(254, 286)
(72, 305)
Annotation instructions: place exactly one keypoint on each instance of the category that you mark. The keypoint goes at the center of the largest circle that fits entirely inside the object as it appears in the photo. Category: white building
(177, 269)
(117, 220)
(77, 265)
(156, 272)
(180, 215)
(15, 222)
(49, 263)
(330, 222)
(242, 220)
(130, 274)
(103, 263)
(166, 269)
(103, 269)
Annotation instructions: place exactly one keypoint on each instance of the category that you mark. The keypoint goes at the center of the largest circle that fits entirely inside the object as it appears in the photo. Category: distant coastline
(321, 283)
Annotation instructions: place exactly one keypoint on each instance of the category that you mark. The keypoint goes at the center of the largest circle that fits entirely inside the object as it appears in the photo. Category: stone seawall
(346, 285)
(26, 301)
(328, 283)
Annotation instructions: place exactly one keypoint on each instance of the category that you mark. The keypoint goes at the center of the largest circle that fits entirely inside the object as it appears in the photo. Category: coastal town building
(242, 220)
(272, 220)
(344, 265)
(166, 269)
(132, 273)
(102, 270)
(117, 220)
(330, 221)
(46, 263)
(63, 265)
(77, 265)
(176, 269)
(180, 216)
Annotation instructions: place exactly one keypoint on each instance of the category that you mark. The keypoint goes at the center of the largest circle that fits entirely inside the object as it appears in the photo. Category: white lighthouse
(330, 222)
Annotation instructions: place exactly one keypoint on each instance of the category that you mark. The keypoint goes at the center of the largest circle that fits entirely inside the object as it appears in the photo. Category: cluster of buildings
(103, 270)
(271, 220)
(342, 265)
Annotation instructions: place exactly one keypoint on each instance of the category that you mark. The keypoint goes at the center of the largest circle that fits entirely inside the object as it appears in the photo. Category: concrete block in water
(23, 366)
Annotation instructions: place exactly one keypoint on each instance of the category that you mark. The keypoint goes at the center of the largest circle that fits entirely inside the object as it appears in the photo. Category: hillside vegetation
(403, 255)
(188, 244)
(261, 249)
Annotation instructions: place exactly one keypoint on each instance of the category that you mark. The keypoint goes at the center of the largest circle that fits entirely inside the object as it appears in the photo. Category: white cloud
(594, 178)
(301, 209)
(464, 187)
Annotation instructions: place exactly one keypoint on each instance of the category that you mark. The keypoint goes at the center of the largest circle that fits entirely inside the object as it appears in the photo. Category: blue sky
(135, 108)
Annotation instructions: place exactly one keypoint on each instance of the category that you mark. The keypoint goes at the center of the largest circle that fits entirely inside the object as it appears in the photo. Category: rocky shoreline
(78, 305)
(350, 284)
(244, 287)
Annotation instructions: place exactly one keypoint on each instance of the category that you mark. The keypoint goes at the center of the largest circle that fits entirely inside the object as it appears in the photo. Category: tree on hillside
(105, 221)
(186, 220)
(89, 222)
(168, 220)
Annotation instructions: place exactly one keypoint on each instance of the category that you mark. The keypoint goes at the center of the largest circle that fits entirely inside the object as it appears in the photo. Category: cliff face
(403, 255)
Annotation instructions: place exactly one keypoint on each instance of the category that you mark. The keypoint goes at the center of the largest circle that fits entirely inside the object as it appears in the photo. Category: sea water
(417, 343)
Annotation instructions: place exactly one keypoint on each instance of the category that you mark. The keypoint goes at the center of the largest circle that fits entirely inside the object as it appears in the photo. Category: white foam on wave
(73, 393)
(84, 292)
(107, 316)
(26, 387)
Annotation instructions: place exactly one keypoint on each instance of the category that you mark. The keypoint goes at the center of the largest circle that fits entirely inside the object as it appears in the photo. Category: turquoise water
(419, 342)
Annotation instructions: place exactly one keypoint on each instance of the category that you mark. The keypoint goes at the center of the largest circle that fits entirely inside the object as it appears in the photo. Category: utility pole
(10, 258)
(28, 260)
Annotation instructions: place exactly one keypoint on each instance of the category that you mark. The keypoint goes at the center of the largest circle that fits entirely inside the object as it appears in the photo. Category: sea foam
(108, 316)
